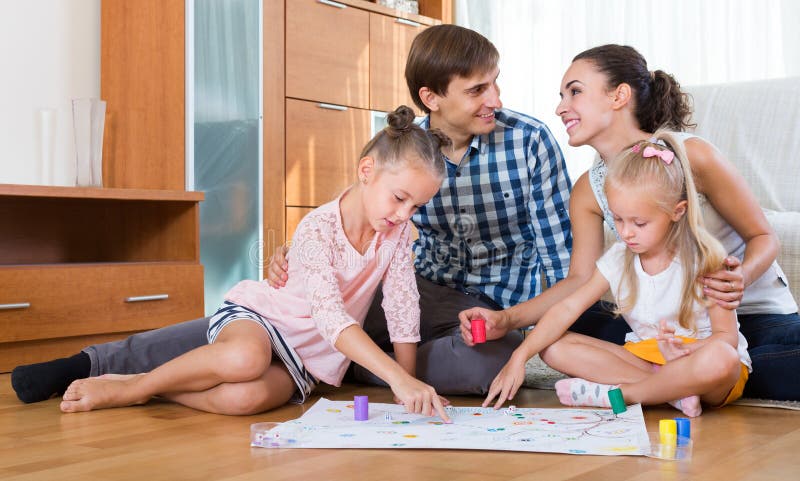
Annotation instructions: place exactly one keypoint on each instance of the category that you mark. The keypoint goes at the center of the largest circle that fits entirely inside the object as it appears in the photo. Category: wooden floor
(163, 441)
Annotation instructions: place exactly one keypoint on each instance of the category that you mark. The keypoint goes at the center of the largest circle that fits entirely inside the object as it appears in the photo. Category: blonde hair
(699, 252)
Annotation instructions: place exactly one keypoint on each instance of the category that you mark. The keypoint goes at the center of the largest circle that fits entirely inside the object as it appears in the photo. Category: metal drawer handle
(410, 23)
(19, 305)
(332, 107)
(154, 297)
(332, 4)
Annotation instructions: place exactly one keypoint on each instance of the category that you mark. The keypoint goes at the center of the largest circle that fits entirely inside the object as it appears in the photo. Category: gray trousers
(443, 360)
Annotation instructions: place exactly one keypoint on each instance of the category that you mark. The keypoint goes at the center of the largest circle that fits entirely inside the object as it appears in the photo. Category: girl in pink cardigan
(268, 346)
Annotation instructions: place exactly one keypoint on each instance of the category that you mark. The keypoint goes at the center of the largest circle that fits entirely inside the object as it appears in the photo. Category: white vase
(47, 145)
(88, 118)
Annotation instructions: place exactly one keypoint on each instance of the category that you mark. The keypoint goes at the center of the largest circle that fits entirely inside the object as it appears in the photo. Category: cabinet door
(322, 149)
(293, 217)
(327, 53)
(390, 40)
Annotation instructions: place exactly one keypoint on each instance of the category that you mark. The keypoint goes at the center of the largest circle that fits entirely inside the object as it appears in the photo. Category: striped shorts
(230, 312)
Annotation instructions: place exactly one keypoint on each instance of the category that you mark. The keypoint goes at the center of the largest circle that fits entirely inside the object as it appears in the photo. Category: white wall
(50, 54)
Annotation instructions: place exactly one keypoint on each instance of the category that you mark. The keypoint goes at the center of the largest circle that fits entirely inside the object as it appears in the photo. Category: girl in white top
(267, 347)
(683, 346)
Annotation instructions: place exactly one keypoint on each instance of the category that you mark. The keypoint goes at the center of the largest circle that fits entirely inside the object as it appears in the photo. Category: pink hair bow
(665, 155)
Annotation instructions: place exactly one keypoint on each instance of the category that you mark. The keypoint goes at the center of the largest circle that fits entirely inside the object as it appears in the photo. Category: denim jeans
(773, 341)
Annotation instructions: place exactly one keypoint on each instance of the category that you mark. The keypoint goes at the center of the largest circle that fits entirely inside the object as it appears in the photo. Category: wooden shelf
(432, 12)
(54, 225)
(16, 190)
(82, 265)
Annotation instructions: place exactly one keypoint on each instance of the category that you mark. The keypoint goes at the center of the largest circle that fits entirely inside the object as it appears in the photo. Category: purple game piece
(361, 408)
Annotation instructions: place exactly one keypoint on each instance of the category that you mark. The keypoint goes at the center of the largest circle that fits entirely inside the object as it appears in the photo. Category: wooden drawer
(69, 301)
(322, 149)
(390, 40)
(327, 53)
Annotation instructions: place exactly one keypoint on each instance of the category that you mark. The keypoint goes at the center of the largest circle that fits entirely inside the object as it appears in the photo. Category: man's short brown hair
(443, 51)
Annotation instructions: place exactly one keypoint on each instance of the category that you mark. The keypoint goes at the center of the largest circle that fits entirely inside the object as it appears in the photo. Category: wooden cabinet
(293, 217)
(322, 147)
(327, 65)
(80, 266)
(327, 53)
(389, 41)
(83, 265)
(142, 81)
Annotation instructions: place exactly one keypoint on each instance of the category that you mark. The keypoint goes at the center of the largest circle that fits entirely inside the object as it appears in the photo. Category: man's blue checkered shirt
(501, 215)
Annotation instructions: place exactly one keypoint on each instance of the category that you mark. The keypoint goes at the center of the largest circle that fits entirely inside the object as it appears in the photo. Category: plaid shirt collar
(500, 216)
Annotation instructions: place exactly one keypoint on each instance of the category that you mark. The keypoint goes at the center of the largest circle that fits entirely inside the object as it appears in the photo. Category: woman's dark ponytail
(659, 101)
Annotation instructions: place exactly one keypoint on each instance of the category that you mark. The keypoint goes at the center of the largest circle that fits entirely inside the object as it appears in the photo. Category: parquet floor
(164, 441)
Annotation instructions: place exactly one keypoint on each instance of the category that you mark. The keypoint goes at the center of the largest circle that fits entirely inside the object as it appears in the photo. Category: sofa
(756, 125)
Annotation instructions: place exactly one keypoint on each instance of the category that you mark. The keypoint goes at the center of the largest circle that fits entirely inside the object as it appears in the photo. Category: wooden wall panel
(142, 81)
(274, 196)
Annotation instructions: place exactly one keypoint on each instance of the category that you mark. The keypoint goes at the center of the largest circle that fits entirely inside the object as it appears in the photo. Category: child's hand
(725, 286)
(496, 323)
(276, 271)
(442, 399)
(671, 347)
(507, 382)
(419, 398)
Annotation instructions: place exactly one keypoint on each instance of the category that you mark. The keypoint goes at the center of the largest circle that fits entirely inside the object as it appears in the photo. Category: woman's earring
(363, 180)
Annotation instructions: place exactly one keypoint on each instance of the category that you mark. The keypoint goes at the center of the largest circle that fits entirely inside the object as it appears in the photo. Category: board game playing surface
(331, 424)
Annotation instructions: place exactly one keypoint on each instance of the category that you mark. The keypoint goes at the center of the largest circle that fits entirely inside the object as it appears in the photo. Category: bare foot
(690, 406)
(101, 392)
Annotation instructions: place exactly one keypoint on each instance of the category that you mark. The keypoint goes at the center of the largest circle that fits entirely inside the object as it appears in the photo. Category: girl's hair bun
(400, 121)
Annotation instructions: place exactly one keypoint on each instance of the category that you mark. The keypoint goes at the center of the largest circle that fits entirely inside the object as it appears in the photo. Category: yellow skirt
(648, 350)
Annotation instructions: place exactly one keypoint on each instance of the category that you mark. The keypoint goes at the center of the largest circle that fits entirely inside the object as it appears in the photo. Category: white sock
(580, 392)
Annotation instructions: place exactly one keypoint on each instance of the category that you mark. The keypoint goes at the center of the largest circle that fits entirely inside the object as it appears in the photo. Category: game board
(331, 424)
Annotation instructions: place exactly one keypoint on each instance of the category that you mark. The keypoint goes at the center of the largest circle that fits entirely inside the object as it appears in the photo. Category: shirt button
(505, 195)
(458, 174)
(463, 210)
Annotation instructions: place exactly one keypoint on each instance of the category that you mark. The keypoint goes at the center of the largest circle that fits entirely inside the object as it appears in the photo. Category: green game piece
(617, 403)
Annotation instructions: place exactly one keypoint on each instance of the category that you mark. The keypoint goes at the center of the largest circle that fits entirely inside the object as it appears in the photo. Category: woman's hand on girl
(420, 398)
(507, 383)
(496, 323)
(725, 286)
